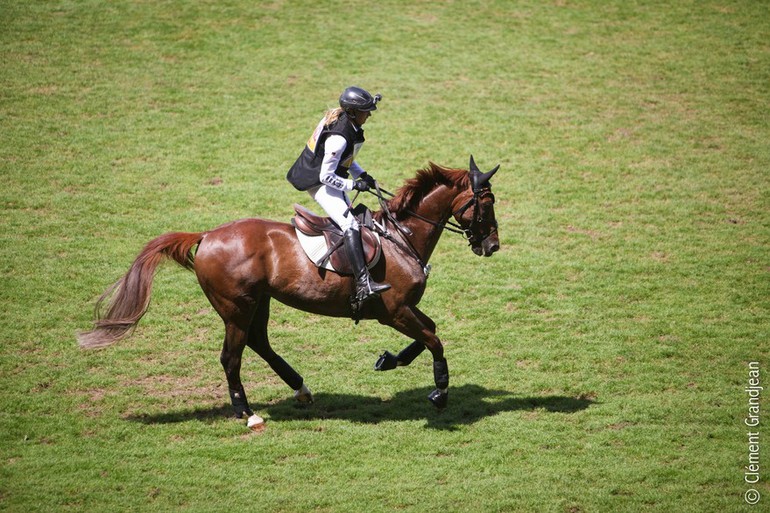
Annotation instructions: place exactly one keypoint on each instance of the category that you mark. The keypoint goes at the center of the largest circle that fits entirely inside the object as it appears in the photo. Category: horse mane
(409, 196)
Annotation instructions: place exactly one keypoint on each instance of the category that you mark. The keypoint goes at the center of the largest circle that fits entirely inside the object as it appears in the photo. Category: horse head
(477, 216)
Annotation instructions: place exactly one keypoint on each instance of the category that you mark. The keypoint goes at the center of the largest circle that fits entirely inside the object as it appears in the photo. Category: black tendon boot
(365, 287)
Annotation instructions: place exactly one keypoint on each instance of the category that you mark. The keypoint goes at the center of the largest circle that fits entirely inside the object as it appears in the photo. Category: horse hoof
(438, 398)
(256, 423)
(386, 361)
(303, 395)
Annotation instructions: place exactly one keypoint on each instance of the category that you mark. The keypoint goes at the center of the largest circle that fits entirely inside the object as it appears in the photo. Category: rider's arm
(333, 148)
(356, 170)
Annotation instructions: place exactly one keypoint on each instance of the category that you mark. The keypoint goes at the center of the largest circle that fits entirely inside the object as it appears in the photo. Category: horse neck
(437, 206)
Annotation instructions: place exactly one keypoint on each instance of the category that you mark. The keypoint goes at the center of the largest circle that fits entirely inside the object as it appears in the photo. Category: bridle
(448, 225)
(475, 200)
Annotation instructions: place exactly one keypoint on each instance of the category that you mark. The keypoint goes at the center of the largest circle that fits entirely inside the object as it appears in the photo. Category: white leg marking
(256, 423)
(303, 395)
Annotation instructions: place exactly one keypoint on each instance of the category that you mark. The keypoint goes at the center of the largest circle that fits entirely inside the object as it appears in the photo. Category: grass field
(599, 361)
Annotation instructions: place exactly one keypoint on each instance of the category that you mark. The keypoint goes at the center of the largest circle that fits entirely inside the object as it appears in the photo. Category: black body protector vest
(304, 174)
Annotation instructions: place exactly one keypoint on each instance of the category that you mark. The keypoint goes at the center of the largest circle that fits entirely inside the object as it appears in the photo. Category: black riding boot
(365, 287)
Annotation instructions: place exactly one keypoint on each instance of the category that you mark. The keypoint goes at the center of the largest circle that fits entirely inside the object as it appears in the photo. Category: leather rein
(448, 225)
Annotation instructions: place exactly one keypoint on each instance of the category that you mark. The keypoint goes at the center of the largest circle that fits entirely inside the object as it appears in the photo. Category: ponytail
(332, 115)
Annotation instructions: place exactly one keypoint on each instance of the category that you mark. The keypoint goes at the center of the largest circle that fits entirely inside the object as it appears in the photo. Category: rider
(324, 166)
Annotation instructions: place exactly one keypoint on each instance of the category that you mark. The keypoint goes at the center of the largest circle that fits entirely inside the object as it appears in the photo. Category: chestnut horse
(244, 264)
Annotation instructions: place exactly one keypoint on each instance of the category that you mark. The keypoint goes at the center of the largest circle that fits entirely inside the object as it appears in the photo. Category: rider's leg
(365, 286)
(336, 204)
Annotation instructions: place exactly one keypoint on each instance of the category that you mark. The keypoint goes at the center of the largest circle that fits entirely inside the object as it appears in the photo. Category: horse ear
(475, 173)
(473, 167)
(484, 178)
(479, 179)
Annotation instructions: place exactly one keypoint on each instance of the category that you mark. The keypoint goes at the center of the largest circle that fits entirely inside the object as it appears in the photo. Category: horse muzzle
(487, 247)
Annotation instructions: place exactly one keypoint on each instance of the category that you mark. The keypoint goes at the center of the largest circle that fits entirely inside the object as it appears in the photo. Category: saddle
(321, 239)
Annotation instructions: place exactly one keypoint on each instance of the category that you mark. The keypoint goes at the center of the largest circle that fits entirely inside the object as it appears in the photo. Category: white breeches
(335, 203)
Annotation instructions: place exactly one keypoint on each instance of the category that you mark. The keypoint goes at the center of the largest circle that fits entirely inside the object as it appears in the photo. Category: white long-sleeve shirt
(334, 146)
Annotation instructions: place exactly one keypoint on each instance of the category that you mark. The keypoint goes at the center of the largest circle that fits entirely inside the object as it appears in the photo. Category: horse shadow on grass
(467, 405)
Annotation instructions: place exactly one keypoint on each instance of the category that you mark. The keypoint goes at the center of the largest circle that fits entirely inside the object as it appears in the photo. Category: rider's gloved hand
(361, 185)
(366, 177)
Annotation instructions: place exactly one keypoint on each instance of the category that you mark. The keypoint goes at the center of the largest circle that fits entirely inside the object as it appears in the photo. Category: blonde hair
(332, 115)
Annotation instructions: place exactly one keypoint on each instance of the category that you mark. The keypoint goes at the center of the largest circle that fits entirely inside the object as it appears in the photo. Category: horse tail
(130, 295)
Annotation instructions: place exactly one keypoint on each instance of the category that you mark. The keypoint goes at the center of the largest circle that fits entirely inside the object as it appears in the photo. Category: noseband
(468, 233)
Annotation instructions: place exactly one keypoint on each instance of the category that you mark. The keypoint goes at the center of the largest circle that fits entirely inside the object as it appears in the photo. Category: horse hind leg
(231, 358)
(237, 318)
(259, 342)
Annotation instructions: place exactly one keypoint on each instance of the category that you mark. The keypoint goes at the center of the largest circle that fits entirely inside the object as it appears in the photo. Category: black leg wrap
(286, 373)
(386, 361)
(410, 352)
(240, 403)
(439, 397)
(407, 355)
(441, 373)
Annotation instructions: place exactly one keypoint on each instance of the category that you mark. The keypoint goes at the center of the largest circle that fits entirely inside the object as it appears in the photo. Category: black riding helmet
(355, 98)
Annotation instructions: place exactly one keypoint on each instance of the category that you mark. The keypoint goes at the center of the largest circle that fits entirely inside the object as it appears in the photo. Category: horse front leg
(389, 361)
(440, 396)
(412, 322)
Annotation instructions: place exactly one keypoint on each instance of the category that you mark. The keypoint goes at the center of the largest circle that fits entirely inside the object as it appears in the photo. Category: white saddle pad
(316, 247)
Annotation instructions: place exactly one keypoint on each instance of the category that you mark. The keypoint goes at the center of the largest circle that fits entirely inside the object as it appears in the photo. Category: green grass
(598, 361)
